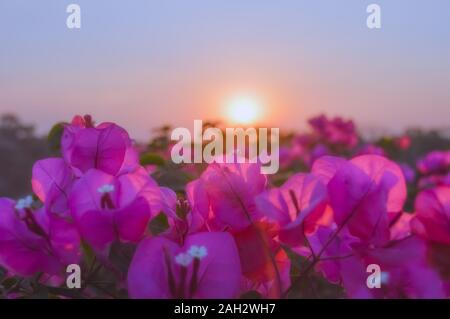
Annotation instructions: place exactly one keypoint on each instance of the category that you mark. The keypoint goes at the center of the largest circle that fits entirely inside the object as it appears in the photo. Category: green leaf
(9, 282)
(89, 254)
(174, 178)
(120, 255)
(150, 158)
(54, 136)
(158, 224)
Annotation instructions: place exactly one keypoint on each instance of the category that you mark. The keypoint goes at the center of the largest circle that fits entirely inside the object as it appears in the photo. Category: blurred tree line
(20, 147)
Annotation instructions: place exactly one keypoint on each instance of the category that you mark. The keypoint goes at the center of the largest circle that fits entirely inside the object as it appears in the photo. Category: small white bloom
(198, 251)
(25, 202)
(183, 259)
(107, 188)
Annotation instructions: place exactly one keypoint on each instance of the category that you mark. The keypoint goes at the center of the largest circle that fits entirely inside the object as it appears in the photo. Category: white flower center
(107, 188)
(25, 202)
(198, 251)
(183, 259)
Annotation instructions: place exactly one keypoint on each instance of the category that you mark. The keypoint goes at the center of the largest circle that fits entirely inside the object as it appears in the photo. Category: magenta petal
(199, 201)
(131, 221)
(139, 183)
(160, 200)
(274, 206)
(296, 206)
(147, 274)
(220, 270)
(359, 201)
(51, 182)
(354, 278)
(103, 149)
(20, 250)
(50, 173)
(231, 189)
(218, 276)
(432, 218)
(65, 240)
(404, 268)
(85, 195)
(24, 252)
(130, 161)
(326, 166)
(382, 170)
(132, 183)
(97, 228)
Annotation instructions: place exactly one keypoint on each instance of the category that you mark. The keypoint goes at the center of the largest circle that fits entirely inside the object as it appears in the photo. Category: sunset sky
(144, 63)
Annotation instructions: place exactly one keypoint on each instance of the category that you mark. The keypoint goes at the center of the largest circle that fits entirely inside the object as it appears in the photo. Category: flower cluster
(229, 231)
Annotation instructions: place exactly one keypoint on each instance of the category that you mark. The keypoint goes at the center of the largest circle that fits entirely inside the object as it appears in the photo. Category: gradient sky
(144, 63)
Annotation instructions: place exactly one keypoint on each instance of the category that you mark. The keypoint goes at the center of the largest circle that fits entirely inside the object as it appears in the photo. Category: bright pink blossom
(108, 208)
(405, 272)
(205, 266)
(362, 192)
(106, 147)
(224, 194)
(336, 131)
(295, 207)
(403, 142)
(33, 241)
(52, 180)
(432, 218)
(435, 162)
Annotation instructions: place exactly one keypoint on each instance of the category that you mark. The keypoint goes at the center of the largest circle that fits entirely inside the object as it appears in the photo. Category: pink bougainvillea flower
(223, 198)
(432, 181)
(35, 241)
(224, 194)
(205, 266)
(107, 208)
(123, 190)
(160, 199)
(256, 250)
(51, 181)
(262, 260)
(400, 225)
(405, 272)
(335, 131)
(436, 162)
(432, 217)
(326, 166)
(106, 147)
(367, 195)
(295, 207)
(362, 192)
(329, 249)
(403, 142)
(276, 284)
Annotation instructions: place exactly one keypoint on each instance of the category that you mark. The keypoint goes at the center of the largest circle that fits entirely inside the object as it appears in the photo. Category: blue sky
(144, 63)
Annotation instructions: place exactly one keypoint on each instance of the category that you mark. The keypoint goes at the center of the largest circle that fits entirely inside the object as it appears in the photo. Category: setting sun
(243, 109)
